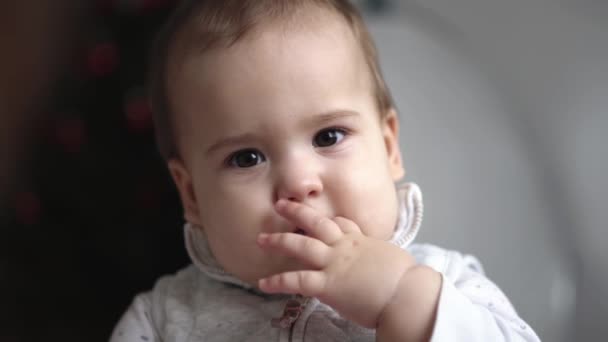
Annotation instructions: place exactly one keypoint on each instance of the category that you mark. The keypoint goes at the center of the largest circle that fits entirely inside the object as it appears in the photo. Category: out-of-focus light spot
(102, 59)
(71, 135)
(28, 208)
(139, 114)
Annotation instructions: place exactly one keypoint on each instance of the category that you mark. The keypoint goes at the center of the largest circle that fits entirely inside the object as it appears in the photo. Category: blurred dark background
(91, 216)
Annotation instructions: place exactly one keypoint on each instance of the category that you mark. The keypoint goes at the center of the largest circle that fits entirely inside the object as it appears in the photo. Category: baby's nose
(300, 192)
(298, 183)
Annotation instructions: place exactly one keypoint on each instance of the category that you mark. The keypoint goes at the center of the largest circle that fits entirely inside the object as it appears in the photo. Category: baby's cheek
(381, 228)
(379, 219)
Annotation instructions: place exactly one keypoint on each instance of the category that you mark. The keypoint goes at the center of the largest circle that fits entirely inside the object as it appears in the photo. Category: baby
(282, 139)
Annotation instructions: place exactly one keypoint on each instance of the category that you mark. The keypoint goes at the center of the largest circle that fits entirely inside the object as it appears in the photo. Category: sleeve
(471, 307)
(136, 323)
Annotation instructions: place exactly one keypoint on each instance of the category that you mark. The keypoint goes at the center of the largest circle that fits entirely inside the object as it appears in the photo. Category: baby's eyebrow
(231, 140)
(333, 115)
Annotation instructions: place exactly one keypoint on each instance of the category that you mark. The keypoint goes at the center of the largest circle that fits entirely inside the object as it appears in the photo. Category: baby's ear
(390, 132)
(183, 181)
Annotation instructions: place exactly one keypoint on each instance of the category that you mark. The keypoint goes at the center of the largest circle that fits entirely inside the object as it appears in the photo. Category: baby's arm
(136, 323)
(471, 307)
(410, 313)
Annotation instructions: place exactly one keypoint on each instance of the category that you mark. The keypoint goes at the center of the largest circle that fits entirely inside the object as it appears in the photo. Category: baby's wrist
(411, 311)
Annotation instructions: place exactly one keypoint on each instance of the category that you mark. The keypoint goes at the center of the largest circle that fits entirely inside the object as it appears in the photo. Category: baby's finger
(306, 283)
(304, 248)
(346, 225)
(310, 220)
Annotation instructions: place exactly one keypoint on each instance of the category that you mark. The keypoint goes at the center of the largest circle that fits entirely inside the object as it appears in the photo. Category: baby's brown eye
(246, 158)
(328, 137)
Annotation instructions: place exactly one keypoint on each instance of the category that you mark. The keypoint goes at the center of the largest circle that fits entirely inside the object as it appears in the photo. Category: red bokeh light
(71, 135)
(28, 208)
(139, 114)
(102, 59)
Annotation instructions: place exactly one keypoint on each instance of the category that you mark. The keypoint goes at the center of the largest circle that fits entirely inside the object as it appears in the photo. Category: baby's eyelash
(341, 129)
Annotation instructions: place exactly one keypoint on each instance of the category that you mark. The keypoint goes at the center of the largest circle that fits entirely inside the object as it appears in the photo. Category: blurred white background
(503, 110)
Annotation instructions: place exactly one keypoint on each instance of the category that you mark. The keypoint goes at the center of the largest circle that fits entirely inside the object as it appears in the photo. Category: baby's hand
(354, 274)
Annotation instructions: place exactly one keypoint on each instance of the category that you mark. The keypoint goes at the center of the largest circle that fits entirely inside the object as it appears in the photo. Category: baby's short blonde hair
(197, 26)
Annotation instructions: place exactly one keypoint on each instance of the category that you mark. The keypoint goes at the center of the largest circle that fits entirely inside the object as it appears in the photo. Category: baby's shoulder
(184, 285)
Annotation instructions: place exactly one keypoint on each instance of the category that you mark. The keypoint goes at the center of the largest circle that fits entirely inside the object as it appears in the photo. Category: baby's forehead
(271, 76)
(274, 50)
(276, 59)
(195, 38)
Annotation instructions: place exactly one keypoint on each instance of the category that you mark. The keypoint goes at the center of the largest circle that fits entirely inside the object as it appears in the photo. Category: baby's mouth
(300, 231)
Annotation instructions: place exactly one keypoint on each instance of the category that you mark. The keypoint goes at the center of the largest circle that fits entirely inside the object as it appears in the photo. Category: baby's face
(281, 115)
